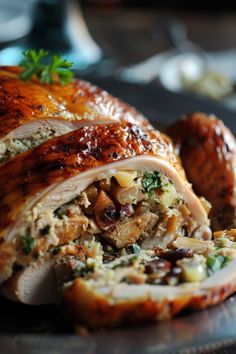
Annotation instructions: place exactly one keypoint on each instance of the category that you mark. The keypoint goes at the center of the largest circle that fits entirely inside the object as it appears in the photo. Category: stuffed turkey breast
(100, 286)
(119, 183)
(149, 285)
(32, 113)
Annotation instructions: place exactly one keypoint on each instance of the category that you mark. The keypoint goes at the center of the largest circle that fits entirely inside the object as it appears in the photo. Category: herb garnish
(27, 243)
(126, 262)
(34, 65)
(151, 180)
(83, 270)
(135, 249)
(216, 262)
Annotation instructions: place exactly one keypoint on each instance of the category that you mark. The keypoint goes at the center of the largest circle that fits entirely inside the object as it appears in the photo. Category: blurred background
(177, 45)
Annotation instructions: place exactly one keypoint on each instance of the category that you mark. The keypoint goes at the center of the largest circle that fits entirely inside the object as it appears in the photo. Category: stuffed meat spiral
(121, 183)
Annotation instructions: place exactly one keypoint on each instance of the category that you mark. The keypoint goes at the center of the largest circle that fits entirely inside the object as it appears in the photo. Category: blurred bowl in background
(15, 20)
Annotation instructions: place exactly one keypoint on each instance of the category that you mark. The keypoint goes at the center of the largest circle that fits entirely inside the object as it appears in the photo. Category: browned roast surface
(25, 101)
(208, 152)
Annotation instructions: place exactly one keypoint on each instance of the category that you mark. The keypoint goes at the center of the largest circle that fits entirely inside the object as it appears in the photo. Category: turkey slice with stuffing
(118, 183)
(32, 113)
(130, 284)
(153, 285)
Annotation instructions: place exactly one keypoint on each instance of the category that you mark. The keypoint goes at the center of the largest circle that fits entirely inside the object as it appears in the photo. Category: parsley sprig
(33, 64)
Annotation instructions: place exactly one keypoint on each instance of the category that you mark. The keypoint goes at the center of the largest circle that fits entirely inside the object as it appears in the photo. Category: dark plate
(41, 330)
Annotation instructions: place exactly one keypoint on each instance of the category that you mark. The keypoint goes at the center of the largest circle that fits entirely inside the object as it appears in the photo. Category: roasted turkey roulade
(207, 149)
(119, 183)
(96, 211)
(31, 112)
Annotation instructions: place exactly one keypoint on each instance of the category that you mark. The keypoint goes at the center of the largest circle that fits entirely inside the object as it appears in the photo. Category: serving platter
(42, 330)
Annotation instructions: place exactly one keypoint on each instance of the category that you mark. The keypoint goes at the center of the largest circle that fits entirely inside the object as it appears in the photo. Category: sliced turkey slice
(34, 285)
(32, 112)
(114, 305)
(40, 282)
(41, 180)
(106, 300)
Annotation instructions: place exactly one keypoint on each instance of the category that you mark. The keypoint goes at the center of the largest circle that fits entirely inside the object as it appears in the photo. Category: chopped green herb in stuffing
(221, 242)
(135, 249)
(84, 270)
(216, 262)
(151, 181)
(126, 262)
(27, 243)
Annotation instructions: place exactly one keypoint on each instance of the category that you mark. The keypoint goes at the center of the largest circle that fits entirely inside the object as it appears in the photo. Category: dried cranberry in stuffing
(174, 255)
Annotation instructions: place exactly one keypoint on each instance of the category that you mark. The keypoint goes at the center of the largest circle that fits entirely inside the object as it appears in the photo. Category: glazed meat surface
(207, 149)
(24, 101)
(31, 112)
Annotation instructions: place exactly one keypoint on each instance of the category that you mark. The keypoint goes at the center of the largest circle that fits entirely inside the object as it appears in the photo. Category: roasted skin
(32, 113)
(24, 101)
(207, 149)
(83, 305)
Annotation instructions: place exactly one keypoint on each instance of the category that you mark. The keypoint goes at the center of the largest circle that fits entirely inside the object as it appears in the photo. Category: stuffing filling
(131, 207)
(133, 265)
(12, 147)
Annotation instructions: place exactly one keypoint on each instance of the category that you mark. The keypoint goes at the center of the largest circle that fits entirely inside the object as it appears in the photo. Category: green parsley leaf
(83, 270)
(135, 249)
(27, 243)
(217, 262)
(151, 180)
(34, 64)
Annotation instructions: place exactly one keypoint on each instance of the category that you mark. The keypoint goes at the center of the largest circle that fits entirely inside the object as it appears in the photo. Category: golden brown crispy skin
(212, 297)
(208, 153)
(60, 158)
(82, 305)
(25, 101)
